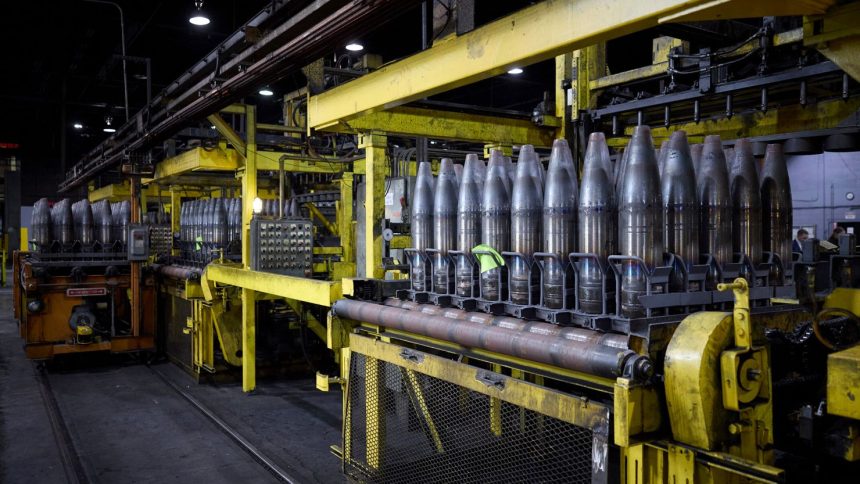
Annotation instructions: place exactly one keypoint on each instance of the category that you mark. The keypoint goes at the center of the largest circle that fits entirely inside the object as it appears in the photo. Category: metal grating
(405, 426)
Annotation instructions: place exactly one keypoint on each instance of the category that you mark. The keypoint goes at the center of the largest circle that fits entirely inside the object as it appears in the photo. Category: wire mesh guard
(405, 426)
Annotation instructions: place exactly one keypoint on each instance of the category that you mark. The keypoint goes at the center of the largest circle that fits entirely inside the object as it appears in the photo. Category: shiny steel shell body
(776, 209)
(40, 224)
(495, 222)
(469, 222)
(746, 203)
(715, 204)
(444, 226)
(680, 207)
(640, 219)
(526, 218)
(559, 222)
(597, 223)
(422, 222)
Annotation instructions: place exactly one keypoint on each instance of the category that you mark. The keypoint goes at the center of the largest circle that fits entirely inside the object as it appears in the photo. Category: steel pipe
(592, 358)
(612, 340)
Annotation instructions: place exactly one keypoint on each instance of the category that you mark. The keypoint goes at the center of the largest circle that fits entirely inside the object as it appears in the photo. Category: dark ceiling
(62, 61)
(63, 67)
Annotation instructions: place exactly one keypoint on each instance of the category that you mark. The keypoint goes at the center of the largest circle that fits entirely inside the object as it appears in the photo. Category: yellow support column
(588, 64)
(375, 165)
(249, 193)
(344, 218)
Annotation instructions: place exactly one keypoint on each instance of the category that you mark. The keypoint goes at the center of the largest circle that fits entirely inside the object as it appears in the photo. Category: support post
(344, 218)
(375, 167)
(249, 298)
(136, 303)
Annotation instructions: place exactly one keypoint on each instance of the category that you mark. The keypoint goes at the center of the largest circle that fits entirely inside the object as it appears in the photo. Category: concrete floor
(127, 425)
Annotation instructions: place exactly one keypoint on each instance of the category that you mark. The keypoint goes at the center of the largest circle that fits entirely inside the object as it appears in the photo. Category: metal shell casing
(495, 223)
(526, 211)
(597, 219)
(640, 219)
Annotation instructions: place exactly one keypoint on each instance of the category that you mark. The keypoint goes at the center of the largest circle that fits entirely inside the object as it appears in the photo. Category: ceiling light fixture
(78, 126)
(266, 92)
(515, 71)
(354, 47)
(199, 18)
(108, 128)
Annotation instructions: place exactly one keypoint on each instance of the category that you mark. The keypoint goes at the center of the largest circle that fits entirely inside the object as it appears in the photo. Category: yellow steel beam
(789, 119)
(314, 325)
(315, 213)
(117, 192)
(659, 68)
(178, 169)
(279, 127)
(536, 33)
(588, 63)
(268, 161)
(234, 109)
(375, 164)
(725, 9)
(228, 132)
(639, 73)
(302, 289)
(837, 36)
(345, 224)
(249, 298)
(415, 121)
(569, 408)
(196, 159)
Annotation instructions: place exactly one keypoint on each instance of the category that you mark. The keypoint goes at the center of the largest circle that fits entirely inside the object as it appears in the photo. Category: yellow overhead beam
(196, 159)
(171, 170)
(302, 289)
(268, 161)
(727, 9)
(788, 119)
(118, 192)
(660, 67)
(837, 36)
(228, 132)
(414, 121)
(536, 33)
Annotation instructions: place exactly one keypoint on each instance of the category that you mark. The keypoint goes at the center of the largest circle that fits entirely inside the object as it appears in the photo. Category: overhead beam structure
(450, 125)
(822, 118)
(536, 33)
(302, 289)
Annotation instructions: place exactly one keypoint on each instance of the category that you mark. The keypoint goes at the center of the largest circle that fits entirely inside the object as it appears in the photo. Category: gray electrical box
(138, 242)
(283, 246)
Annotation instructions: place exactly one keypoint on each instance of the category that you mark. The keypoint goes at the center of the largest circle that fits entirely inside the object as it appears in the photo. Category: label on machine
(86, 291)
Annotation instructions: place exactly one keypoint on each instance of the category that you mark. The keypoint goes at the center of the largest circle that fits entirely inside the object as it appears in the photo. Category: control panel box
(138, 242)
(282, 246)
(160, 239)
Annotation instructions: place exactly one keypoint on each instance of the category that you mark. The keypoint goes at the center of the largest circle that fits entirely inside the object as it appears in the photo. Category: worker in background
(834, 237)
(797, 245)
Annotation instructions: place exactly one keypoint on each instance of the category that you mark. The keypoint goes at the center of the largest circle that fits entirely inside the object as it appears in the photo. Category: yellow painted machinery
(735, 363)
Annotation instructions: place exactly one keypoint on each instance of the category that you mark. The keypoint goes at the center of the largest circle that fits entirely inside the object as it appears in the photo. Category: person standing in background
(834, 237)
(797, 245)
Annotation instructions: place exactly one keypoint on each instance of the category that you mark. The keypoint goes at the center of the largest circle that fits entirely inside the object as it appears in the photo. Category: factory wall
(824, 189)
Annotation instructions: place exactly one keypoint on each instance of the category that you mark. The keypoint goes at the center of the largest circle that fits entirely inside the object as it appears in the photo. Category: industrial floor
(126, 424)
